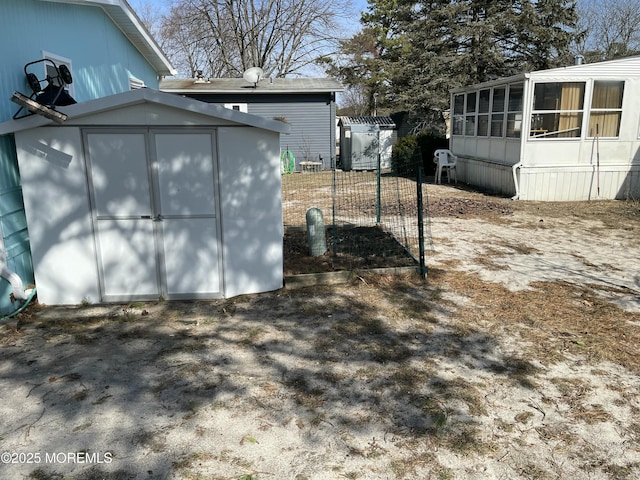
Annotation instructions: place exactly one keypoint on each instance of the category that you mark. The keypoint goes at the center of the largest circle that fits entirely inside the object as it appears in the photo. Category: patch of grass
(154, 441)
(360, 326)
(436, 412)
(351, 475)
(534, 472)
(590, 414)
(251, 335)
(416, 309)
(84, 338)
(505, 426)
(40, 474)
(551, 319)
(80, 395)
(406, 377)
(464, 439)
(406, 467)
(621, 472)
(464, 391)
(524, 417)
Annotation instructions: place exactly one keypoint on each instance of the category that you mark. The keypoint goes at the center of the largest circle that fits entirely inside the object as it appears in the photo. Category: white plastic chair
(445, 160)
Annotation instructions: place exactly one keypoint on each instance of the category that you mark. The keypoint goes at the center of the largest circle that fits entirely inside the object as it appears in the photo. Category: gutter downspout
(515, 180)
(527, 98)
(19, 293)
(16, 283)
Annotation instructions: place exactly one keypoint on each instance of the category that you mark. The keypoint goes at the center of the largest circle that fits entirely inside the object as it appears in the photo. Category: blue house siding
(102, 60)
(102, 57)
(13, 226)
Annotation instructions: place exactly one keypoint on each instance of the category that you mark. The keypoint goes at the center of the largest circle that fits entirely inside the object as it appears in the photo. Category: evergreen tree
(430, 47)
(365, 60)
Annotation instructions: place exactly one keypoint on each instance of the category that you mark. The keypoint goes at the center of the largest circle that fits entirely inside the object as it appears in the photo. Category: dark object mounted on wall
(43, 100)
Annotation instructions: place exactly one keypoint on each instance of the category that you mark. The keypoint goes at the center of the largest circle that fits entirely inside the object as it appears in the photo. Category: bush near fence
(413, 150)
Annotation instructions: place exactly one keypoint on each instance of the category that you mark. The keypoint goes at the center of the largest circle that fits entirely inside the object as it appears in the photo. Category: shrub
(412, 150)
(403, 155)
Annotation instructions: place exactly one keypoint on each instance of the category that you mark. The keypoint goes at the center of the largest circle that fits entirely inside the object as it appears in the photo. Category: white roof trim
(620, 67)
(132, 27)
(145, 95)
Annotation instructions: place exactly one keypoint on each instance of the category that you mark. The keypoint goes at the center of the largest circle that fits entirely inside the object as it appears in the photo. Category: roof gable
(82, 110)
(132, 27)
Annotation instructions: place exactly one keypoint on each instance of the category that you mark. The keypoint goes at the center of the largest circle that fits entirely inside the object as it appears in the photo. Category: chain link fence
(372, 218)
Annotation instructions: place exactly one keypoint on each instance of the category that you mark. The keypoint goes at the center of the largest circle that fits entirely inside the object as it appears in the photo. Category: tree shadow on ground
(140, 381)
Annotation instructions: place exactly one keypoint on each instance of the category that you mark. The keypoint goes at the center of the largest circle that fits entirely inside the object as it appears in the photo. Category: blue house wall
(102, 60)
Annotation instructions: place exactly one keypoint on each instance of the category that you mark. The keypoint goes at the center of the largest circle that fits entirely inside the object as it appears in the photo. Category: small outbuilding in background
(362, 139)
(146, 195)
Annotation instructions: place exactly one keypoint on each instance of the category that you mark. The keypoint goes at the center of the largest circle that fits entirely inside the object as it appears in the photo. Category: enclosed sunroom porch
(570, 133)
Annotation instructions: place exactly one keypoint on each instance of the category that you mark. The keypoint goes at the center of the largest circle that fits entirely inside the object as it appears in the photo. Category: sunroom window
(483, 113)
(606, 109)
(514, 111)
(458, 115)
(497, 112)
(470, 118)
(558, 108)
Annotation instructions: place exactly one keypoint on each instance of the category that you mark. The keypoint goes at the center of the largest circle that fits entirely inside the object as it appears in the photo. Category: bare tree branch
(225, 37)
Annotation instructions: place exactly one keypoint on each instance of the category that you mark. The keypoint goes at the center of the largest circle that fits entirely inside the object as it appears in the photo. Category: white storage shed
(146, 195)
(363, 139)
(563, 134)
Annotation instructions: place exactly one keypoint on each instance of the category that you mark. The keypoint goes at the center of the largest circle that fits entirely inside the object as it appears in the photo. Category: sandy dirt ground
(516, 359)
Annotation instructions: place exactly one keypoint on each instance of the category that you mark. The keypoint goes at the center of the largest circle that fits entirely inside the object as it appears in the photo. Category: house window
(239, 107)
(51, 72)
(497, 112)
(606, 109)
(458, 114)
(470, 118)
(558, 108)
(483, 112)
(514, 111)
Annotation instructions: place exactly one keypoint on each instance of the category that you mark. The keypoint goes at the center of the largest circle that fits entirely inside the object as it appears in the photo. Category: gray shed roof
(239, 85)
(128, 22)
(145, 95)
(380, 121)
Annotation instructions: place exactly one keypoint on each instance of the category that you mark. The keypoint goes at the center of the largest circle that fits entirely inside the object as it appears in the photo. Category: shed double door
(155, 213)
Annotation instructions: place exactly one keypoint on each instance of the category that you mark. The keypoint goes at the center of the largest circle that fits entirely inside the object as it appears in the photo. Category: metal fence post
(378, 201)
(419, 177)
(334, 233)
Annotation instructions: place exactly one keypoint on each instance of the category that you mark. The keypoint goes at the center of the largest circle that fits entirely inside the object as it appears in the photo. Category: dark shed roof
(239, 85)
(379, 121)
